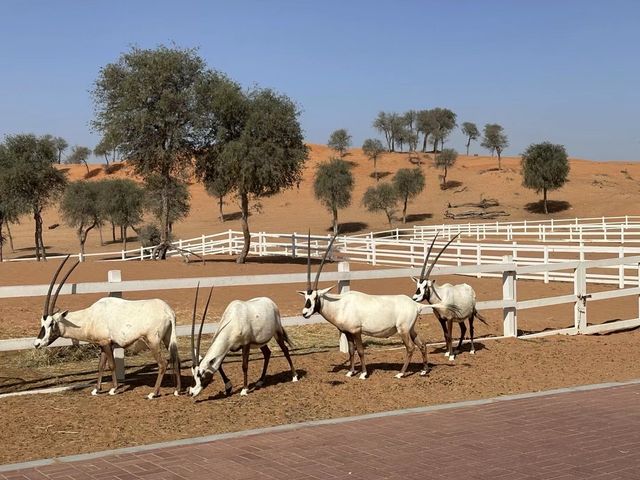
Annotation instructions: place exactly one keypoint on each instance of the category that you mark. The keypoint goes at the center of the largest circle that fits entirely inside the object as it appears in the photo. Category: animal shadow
(553, 206)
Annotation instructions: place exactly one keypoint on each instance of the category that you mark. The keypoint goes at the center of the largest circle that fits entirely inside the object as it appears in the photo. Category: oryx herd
(113, 322)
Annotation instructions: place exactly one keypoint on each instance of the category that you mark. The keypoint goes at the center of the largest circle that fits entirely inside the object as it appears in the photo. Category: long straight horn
(193, 328)
(46, 310)
(309, 260)
(440, 253)
(324, 258)
(426, 260)
(60, 285)
(204, 315)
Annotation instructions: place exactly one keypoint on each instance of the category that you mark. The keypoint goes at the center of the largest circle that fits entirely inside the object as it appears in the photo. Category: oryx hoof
(176, 393)
(295, 378)
(472, 352)
(227, 388)
(446, 354)
(95, 391)
(244, 392)
(350, 373)
(363, 376)
(151, 396)
(399, 375)
(452, 357)
(112, 391)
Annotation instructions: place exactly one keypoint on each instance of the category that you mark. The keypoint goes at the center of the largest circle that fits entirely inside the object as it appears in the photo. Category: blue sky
(565, 71)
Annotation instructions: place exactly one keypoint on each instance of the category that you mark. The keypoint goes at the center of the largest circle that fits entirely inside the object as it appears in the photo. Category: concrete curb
(313, 423)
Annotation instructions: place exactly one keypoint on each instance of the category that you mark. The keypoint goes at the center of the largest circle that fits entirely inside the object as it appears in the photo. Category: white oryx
(355, 314)
(462, 296)
(244, 325)
(111, 322)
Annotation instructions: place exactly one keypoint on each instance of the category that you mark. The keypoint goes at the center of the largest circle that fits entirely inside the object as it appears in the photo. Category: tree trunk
(546, 210)
(101, 238)
(244, 208)
(8, 225)
(87, 167)
(335, 220)
(424, 143)
(39, 243)
(220, 203)
(499, 161)
(124, 237)
(375, 168)
(468, 143)
(404, 210)
(1, 237)
(113, 232)
(444, 179)
(389, 218)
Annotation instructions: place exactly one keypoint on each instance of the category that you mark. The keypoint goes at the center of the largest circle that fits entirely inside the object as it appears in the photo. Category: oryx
(462, 296)
(244, 325)
(113, 322)
(355, 314)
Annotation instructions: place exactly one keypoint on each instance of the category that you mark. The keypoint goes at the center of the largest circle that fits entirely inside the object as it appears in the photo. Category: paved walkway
(587, 434)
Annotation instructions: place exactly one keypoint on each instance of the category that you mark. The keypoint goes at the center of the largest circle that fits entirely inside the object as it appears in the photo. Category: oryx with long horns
(462, 296)
(244, 325)
(113, 322)
(355, 314)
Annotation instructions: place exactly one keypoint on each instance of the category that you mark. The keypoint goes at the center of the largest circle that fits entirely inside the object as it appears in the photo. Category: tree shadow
(351, 163)
(380, 175)
(92, 173)
(553, 206)
(233, 216)
(450, 184)
(350, 227)
(418, 217)
(113, 168)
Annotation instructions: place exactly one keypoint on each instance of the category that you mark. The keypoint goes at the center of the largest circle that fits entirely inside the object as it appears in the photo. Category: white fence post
(621, 269)
(546, 262)
(115, 276)
(509, 314)
(343, 287)
(478, 258)
(293, 245)
(580, 291)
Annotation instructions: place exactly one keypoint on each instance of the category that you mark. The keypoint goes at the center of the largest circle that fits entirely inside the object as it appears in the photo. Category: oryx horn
(204, 316)
(46, 311)
(438, 256)
(61, 284)
(309, 260)
(426, 259)
(193, 327)
(324, 258)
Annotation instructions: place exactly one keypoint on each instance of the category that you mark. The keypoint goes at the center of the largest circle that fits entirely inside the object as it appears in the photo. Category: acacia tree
(79, 155)
(80, 208)
(470, 130)
(373, 148)
(108, 149)
(340, 141)
(333, 185)
(219, 186)
(495, 140)
(254, 139)
(148, 100)
(9, 206)
(155, 187)
(381, 198)
(445, 160)
(383, 124)
(121, 202)
(426, 124)
(446, 122)
(31, 180)
(408, 184)
(61, 145)
(545, 166)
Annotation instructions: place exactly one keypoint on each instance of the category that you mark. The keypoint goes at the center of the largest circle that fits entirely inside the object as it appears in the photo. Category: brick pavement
(593, 434)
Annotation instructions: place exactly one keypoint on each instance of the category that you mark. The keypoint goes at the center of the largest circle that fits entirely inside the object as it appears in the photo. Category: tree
(410, 134)
(256, 142)
(445, 160)
(340, 141)
(333, 185)
(149, 100)
(426, 123)
(470, 130)
(79, 155)
(9, 207)
(108, 149)
(383, 124)
(80, 208)
(495, 140)
(155, 187)
(219, 186)
(61, 145)
(545, 166)
(121, 202)
(373, 148)
(31, 179)
(408, 184)
(382, 197)
(446, 122)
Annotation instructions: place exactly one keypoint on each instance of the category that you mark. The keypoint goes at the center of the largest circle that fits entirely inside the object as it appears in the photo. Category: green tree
(381, 198)
(154, 189)
(340, 141)
(10, 208)
(410, 134)
(446, 122)
(383, 124)
(426, 124)
(80, 208)
(373, 148)
(108, 149)
(31, 180)
(121, 203)
(408, 182)
(219, 186)
(79, 155)
(61, 145)
(470, 130)
(149, 100)
(545, 167)
(495, 140)
(256, 142)
(445, 160)
(333, 185)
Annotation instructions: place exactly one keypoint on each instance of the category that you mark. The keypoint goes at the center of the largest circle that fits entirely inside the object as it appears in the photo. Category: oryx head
(49, 328)
(200, 377)
(312, 294)
(424, 285)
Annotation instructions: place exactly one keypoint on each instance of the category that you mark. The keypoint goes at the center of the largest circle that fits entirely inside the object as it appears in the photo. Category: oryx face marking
(49, 331)
(423, 290)
(311, 303)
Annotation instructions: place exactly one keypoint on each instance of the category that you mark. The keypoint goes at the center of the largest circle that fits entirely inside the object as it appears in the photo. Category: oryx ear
(325, 290)
(416, 279)
(60, 316)
(301, 292)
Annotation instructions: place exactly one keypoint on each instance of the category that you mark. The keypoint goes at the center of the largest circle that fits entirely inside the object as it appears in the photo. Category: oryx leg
(443, 324)
(228, 386)
(266, 352)
(108, 350)
(175, 362)
(352, 355)
(473, 349)
(423, 349)
(245, 368)
(162, 367)
(357, 339)
(463, 332)
(285, 350)
(408, 353)
(101, 364)
(450, 339)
